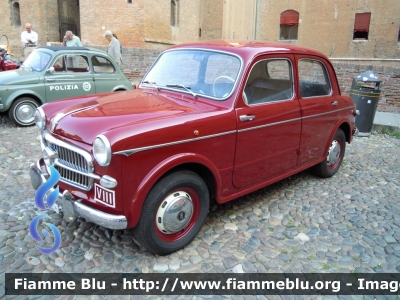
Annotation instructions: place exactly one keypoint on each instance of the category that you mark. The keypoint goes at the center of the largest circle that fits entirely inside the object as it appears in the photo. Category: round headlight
(40, 118)
(102, 150)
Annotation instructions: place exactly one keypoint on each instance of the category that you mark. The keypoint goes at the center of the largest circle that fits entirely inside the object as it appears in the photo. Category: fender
(133, 215)
(19, 93)
(337, 125)
(120, 87)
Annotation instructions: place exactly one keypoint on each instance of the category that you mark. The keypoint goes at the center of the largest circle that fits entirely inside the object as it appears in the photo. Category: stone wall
(389, 100)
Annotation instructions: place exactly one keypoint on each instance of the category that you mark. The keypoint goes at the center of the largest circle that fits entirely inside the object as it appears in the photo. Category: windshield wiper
(153, 84)
(187, 88)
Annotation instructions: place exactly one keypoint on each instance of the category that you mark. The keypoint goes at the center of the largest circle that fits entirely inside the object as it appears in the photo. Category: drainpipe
(256, 19)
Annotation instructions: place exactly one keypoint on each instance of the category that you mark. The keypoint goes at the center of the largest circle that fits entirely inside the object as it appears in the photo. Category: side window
(102, 65)
(269, 80)
(313, 78)
(59, 64)
(77, 63)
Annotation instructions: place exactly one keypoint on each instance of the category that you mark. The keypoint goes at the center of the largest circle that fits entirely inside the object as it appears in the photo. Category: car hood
(127, 113)
(18, 77)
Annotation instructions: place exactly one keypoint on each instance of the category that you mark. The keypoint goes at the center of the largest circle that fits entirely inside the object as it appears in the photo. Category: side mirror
(50, 70)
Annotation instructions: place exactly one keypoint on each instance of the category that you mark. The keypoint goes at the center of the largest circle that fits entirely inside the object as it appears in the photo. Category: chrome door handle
(50, 80)
(247, 118)
(334, 103)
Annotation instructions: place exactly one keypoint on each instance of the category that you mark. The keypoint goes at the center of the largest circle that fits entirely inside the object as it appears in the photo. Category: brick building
(340, 28)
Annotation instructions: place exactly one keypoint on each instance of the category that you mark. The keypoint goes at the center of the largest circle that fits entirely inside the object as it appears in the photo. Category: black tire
(159, 228)
(22, 111)
(331, 164)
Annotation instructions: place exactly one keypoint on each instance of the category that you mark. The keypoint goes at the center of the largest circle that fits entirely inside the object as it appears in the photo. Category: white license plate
(103, 195)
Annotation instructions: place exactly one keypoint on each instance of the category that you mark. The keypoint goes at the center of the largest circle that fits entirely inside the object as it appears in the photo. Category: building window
(174, 13)
(361, 26)
(289, 25)
(129, 1)
(398, 37)
(15, 15)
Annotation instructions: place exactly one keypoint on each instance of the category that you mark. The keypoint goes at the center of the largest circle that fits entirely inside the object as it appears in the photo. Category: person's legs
(28, 50)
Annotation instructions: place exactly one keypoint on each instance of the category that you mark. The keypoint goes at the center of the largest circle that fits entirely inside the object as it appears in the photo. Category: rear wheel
(22, 111)
(329, 166)
(173, 213)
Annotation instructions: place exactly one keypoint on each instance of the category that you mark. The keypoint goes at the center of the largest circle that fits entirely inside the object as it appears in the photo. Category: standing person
(114, 47)
(71, 40)
(30, 39)
(120, 46)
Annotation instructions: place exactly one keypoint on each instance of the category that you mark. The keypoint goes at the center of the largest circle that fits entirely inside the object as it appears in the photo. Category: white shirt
(25, 36)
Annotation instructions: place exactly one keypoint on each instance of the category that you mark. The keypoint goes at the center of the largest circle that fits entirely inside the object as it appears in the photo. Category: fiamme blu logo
(40, 203)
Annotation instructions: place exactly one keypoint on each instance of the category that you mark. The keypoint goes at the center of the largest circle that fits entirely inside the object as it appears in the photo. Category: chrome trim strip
(136, 150)
(270, 124)
(327, 113)
(91, 175)
(79, 186)
(59, 116)
(80, 151)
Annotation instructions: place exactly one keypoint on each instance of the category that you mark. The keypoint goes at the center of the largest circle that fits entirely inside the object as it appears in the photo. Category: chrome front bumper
(75, 208)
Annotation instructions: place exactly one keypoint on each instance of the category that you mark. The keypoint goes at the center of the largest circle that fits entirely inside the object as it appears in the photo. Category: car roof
(249, 47)
(59, 48)
(66, 48)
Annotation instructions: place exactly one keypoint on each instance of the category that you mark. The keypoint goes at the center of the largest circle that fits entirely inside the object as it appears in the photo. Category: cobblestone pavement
(348, 223)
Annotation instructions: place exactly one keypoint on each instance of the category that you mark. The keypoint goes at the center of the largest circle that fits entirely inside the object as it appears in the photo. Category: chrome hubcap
(174, 212)
(25, 112)
(333, 153)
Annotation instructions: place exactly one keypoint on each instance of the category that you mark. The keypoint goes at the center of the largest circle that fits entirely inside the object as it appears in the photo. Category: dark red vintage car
(210, 121)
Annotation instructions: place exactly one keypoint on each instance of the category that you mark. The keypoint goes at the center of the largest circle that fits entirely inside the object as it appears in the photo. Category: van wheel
(22, 111)
(329, 166)
(173, 213)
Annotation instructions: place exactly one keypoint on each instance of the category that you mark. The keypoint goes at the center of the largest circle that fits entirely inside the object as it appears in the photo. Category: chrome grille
(73, 167)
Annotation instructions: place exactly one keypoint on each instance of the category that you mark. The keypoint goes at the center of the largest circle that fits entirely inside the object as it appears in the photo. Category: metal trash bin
(365, 92)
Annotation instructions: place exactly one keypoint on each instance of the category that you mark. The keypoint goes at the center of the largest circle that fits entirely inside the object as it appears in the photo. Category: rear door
(269, 123)
(71, 77)
(318, 105)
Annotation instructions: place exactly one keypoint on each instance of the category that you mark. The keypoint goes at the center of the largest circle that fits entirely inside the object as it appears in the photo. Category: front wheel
(22, 111)
(173, 213)
(329, 166)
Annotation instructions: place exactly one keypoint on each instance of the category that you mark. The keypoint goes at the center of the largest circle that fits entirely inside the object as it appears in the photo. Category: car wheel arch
(191, 162)
(21, 94)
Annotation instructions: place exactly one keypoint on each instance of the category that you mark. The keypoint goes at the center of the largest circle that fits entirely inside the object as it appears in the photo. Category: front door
(71, 77)
(269, 122)
(105, 75)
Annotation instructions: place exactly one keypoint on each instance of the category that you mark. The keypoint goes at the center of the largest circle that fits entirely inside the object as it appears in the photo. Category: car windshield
(37, 61)
(200, 73)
